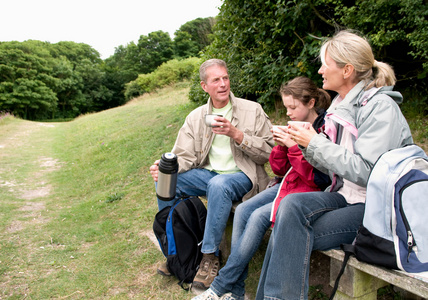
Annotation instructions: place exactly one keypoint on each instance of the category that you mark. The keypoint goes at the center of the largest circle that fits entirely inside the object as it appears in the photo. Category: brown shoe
(163, 270)
(208, 270)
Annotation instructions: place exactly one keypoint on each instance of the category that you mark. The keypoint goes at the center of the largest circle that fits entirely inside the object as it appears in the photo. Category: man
(225, 162)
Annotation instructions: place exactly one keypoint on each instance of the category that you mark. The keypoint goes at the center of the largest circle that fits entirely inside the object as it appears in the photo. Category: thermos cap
(169, 155)
(168, 163)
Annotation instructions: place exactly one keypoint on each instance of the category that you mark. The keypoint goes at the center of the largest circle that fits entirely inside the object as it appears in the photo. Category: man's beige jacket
(195, 138)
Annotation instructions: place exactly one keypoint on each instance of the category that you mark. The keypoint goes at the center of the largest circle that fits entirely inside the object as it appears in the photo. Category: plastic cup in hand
(209, 119)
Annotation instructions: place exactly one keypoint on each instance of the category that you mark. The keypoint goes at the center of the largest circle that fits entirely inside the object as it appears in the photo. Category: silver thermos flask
(167, 177)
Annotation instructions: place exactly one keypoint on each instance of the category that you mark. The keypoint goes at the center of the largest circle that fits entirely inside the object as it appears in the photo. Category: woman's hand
(301, 135)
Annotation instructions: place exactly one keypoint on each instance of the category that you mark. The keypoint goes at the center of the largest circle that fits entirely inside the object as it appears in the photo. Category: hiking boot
(163, 270)
(207, 295)
(208, 270)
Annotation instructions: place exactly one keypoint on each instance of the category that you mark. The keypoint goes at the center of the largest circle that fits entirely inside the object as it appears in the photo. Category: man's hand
(224, 127)
(154, 170)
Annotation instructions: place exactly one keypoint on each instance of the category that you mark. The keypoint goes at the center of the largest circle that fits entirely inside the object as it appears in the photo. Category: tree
(75, 52)
(26, 83)
(274, 45)
(68, 89)
(398, 31)
(95, 93)
(193, 36)
(184, 47)
(39, 80)
(282, 39)
(120, 68)
(82, 87)
(153, 50)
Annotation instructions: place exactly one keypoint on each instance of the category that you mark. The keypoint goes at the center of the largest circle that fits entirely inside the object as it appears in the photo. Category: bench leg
(354, 283)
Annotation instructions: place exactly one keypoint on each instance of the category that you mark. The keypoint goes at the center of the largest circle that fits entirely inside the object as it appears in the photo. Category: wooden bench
(359, 281)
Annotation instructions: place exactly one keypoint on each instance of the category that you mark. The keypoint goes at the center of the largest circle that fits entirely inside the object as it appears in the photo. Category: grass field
(77, 202)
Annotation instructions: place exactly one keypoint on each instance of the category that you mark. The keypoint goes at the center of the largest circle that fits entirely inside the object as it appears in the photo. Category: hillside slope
(77, 201)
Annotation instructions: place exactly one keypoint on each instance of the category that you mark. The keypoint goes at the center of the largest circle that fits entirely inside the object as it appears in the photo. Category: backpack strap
(184, 286)
(349, 250)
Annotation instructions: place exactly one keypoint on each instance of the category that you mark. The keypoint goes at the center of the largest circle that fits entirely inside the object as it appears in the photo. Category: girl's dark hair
(304, 89)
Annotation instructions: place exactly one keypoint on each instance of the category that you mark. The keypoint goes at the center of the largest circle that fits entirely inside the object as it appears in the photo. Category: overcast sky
(102, 24)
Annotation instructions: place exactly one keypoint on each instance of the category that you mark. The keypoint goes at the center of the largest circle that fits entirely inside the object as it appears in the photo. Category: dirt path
(26, 159)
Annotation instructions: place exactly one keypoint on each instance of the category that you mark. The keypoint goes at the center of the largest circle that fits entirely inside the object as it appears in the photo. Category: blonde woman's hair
(346, 47)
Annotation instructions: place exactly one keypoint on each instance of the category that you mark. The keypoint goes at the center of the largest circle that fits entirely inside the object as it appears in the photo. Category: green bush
(282, 38)
(133, 89)
(168, 73)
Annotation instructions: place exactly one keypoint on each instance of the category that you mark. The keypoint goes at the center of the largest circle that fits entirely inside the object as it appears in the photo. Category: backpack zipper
(410, 239)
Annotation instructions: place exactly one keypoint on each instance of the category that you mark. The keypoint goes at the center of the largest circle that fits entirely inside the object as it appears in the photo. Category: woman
(305, 102)
(362, 123)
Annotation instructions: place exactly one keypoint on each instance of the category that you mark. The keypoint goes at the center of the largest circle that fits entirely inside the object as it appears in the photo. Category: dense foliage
(40, 80)
(267, 42)
(170, 72)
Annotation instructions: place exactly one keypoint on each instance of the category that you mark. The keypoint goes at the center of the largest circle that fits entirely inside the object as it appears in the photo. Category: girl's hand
(301, 135)
(283, 138)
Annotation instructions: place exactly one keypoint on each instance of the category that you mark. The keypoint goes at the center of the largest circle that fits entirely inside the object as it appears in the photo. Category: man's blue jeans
(304, 222)
(250, 223)
(221, 191)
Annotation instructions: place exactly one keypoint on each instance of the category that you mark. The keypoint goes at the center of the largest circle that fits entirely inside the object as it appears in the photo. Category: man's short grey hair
(210, 63)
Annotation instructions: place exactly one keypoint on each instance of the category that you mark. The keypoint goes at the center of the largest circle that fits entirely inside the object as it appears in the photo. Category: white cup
(209, 119)
(279, 128)
(306, 125)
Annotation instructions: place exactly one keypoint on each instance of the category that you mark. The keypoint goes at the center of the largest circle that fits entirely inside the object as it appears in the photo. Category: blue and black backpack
(394, 233)
(180, 230)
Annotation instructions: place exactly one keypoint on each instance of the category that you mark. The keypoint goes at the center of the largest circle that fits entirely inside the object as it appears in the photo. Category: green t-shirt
(220, 156)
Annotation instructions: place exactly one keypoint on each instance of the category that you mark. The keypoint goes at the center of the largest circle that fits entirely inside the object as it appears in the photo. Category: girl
(304, 101)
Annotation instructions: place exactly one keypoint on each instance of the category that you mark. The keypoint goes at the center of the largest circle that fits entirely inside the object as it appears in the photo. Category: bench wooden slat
(399, 279)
